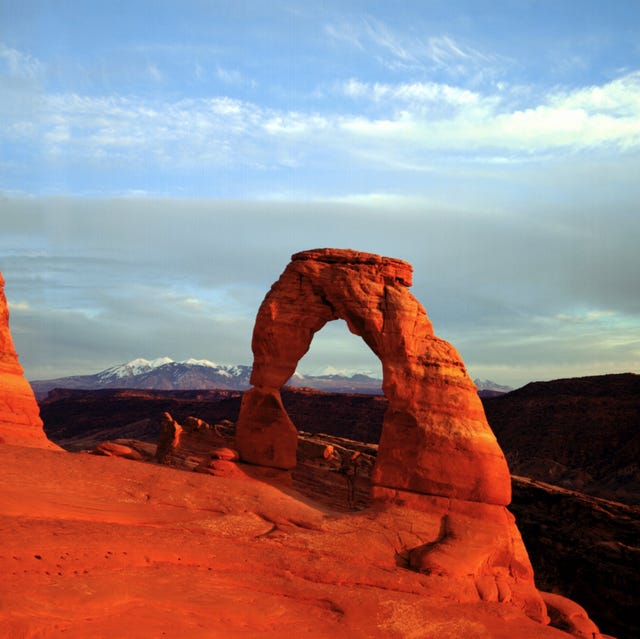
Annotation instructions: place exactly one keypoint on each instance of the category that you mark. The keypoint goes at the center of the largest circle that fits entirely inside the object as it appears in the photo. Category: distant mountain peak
(159, 361)
(490, 385)
(200, 362)
(134, 367)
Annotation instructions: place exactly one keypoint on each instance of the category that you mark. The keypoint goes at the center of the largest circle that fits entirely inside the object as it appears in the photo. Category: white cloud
(344, 32)
(384, 38)
(443, 49)
(523, 296)
(133, 130)
(230, 76)
(412, 125)
(155, 73)
(409, 92)
(380, 202)
(618, 98)
(295, 123)
(397, 128)
(18, 64)
(439, 117)
(589, 316)
(399, 51)
(17, 306)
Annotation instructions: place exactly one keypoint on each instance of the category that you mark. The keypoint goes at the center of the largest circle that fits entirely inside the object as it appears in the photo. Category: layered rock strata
(20, 422)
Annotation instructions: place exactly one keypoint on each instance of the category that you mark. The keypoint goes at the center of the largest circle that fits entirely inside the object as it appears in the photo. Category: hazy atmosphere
(160, 162)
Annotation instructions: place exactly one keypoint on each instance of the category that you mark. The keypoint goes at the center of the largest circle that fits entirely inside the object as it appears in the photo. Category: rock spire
(20, 422)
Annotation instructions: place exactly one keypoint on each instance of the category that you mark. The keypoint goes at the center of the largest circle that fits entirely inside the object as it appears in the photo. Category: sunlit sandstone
(435, 437)
(20, 421)
(112, 547)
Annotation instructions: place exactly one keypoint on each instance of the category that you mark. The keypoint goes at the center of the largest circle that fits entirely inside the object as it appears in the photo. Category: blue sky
(160, 161)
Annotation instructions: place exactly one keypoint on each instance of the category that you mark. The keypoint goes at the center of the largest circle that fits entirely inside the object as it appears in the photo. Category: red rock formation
(20, 422)
(117, 449)
(190, 444)
(169, 439)
(435, 438)
(569, 616)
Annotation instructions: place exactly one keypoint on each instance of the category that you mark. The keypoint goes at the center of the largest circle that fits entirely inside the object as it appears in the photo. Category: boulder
(221, 468)
(186, 445)
(20, 422)
(226, 454)
(567, 615)
(115, 449)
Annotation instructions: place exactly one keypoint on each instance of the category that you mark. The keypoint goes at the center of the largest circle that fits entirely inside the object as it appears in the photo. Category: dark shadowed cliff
(581, 433)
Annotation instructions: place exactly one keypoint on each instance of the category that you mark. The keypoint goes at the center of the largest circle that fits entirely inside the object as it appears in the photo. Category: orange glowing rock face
(20, 422)
(435, 437)
(109, 547)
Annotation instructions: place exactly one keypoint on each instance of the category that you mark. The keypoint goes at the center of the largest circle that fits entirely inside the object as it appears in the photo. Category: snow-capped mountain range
(142, 366)
(163, 373)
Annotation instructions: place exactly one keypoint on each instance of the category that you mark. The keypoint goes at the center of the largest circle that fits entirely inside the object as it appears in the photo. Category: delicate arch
(435, 438)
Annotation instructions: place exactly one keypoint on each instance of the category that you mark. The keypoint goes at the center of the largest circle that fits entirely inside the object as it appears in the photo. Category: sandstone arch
(435, 437)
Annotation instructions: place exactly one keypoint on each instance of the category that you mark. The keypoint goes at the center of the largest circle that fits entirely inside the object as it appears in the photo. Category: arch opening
(339, 427)
(337, 353)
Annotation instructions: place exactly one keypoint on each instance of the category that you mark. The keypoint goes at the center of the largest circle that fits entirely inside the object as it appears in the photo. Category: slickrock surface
(579, 546)
(20, 421)
(108, 547)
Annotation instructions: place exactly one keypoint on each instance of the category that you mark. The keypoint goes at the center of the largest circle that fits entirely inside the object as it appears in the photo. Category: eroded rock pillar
(20, 422)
